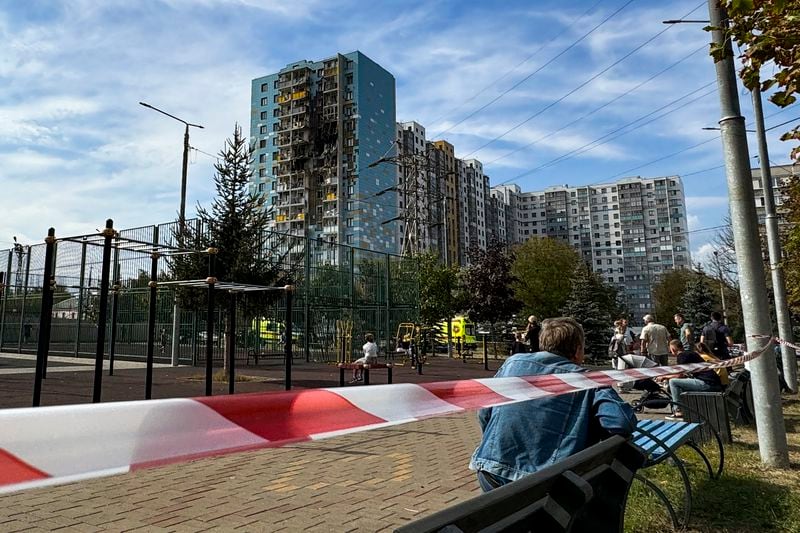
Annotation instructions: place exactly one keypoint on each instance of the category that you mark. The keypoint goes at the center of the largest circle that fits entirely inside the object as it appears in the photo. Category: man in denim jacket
(521, 438)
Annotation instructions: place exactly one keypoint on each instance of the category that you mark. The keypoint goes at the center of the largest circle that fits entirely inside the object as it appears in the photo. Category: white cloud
(704, 256)
(698, 203)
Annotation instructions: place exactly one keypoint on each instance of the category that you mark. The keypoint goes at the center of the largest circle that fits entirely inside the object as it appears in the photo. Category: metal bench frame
(587, 491)
(660, 439)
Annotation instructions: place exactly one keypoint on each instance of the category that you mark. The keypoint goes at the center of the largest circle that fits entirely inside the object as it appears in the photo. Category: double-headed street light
(182, 212)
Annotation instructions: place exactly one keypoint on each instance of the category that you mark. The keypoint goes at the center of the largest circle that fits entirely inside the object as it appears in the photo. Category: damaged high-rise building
(317, 126)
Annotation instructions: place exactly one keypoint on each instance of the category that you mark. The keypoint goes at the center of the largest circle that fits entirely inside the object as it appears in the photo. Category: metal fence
(336, 285)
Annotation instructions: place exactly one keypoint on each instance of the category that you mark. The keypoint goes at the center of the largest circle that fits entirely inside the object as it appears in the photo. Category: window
(262, 172)
(262, 129)
(264, 115)
(262, 143)
(264, 87)
(262, 158)
(265, 101)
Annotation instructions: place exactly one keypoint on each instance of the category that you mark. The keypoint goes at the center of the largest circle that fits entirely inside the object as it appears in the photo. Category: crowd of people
(522, 438)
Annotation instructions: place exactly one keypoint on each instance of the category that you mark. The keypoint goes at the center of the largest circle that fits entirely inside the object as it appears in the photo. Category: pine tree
(236, 224)
(584, 305)
(698, 300)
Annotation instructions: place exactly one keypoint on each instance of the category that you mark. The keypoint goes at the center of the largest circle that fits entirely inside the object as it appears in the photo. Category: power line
(574, 90)
(545, 65)
(535, 53)
(595, 110)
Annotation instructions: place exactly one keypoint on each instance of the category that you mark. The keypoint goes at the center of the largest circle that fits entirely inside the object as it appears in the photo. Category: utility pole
(176, 310)
(774, 244)
(744, 221)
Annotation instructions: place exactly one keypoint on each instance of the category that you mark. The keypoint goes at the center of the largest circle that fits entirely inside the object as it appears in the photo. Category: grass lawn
(747, 498)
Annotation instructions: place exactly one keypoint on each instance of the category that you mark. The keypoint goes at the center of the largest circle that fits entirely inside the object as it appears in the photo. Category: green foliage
(698, 299)
(668, 295)
(438, 290)
(487, 285)
(236, 224)
(767, 32)
(585, 304)
(543, 271)
(791, 246)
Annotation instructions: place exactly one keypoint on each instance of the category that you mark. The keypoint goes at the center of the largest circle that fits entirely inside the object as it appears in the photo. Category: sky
(543, 93)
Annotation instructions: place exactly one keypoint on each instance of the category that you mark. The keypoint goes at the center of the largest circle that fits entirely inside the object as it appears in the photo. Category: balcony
(329, 229)
(330, 197)
(328, 72)
(299, 95)
(332, 181)
(330, 213)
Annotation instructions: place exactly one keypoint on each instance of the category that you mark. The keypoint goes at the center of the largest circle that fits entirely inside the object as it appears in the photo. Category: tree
(698, 300)
(767, 32)
(236, 224)
(668, 295)
(487, 285)
(438, 289)
(543, 270)
(791, 246)
(584, 305)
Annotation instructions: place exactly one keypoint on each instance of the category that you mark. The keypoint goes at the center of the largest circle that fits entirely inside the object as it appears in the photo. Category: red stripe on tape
(550, 383)
(601, 378)
(464, 394)
(14, 470)
(292, 415)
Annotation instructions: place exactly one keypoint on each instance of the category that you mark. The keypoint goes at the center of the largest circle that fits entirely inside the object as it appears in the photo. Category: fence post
(81, 281)
(24, 300)
(232, 341)
(102, 315)
(486, 353)
(389, 307)
(45, 316)
(289, 289)
(210, 280)
(306, 303)
(151, 317)
(7, 281)
(114, 314)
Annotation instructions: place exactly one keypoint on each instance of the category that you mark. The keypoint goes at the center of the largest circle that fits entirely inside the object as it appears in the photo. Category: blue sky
(76, 148)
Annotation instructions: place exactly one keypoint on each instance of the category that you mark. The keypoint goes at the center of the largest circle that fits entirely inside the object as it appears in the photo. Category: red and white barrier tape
(49, 445)
(776, 339)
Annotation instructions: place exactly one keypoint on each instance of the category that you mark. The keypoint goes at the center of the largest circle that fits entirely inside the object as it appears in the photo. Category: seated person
(699, 381)
(370, 358)
(708, 357)
(521, 438)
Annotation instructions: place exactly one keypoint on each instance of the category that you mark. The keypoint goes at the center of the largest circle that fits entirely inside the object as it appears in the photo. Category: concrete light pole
(774, 244)
(744, 221)
(176, 316)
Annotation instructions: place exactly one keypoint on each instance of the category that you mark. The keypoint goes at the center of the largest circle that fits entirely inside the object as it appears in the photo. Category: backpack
(715, 340)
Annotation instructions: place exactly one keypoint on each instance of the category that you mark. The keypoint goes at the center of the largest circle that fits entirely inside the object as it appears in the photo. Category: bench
(720, 407)
(587, 491)
(366, 368)
(659, 440)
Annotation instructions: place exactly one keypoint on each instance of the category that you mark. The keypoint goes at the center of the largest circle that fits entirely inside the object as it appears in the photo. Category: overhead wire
(542, 67)
(575, 89)
(508, 73)
(601, 107)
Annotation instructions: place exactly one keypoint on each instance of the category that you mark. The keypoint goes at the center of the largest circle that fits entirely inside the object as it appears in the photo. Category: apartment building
(781, 175)
(317, 126)
(630, 231)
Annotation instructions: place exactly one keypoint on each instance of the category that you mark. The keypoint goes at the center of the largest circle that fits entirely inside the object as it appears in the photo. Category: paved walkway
(371, 481)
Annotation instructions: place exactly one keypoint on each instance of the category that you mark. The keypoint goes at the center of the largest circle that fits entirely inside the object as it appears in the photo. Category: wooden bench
(587, 491)
(659, 440)
(366, 368)
(719, 408)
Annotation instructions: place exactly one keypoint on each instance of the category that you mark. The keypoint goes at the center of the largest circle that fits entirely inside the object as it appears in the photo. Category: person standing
(686, 333)
(717, 337)
(370, 357)
(627, 334)
(525, 437)
(532, 334)
(655, 341)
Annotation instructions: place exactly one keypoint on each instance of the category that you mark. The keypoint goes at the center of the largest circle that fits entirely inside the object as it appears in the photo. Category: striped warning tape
(777, 340)
(48, 445)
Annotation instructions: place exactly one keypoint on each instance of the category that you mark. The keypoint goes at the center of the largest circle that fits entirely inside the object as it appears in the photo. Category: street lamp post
(181, 222)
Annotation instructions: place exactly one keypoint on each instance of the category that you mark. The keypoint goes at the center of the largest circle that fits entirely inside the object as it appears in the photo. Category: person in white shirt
(370, 357)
